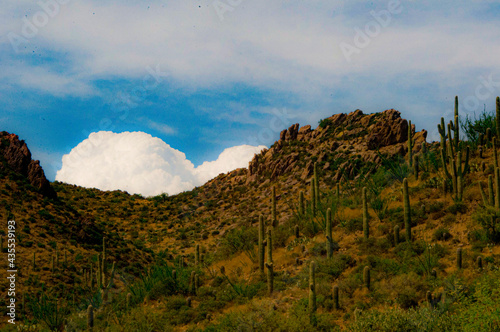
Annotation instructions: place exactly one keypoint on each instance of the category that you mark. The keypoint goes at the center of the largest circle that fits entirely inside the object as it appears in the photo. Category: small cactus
(407, 210)
(459, 258)
(415, 166)
(90, 317)
(296, 231)
(129, 298)
(366, 226)
(197, 255)
(434, 273)
(312, 288)
(336, 302)
(367, 277)
(301, 203)
(479, 261)
(174, 275)
(396, 235)
(338, 192)
(188, 302)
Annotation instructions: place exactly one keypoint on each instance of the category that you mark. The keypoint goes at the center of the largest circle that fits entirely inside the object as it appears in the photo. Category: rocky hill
(308, 182)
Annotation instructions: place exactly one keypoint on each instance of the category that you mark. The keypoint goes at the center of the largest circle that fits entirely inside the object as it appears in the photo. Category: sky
(175, 85)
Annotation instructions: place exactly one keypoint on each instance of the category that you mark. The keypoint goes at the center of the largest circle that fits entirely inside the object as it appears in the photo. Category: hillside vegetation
(357, 225)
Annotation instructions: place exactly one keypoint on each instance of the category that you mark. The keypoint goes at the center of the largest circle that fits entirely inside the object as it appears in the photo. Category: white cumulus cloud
(139, 163)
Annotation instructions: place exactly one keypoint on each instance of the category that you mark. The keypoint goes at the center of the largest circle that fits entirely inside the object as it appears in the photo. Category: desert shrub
(441, 234)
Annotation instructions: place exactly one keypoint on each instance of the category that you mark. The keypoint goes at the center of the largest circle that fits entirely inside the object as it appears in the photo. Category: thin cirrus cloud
(142, 164)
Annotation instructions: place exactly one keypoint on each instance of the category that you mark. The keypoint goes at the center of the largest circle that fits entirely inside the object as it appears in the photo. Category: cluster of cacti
(329, 236)
(269, 263)
(493, 198)
(312, 289)
(407, 210)
(366, 226)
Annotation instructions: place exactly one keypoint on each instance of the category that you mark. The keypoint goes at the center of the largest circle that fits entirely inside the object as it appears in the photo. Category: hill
(347, 251)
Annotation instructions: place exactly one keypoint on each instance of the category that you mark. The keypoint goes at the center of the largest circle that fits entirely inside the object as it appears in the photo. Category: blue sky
(228, 69)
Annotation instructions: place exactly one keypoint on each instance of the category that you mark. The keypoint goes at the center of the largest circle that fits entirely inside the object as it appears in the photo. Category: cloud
(140, 163)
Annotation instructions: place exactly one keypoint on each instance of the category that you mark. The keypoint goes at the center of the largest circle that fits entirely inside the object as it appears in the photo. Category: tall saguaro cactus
(313, 197)
(269, 263)
(498, 117)
(273, 207)
(366, 226)
(262, 244)
(329, 239)
(407, 210)
(410, 145)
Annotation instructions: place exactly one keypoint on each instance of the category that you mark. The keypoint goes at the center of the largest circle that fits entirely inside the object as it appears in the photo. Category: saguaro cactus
(273, 207)
(329, 239)
(301, 203)
(316, 184)
(366, 226)
(262, 244)
(336, 301)
(269, 263)
(313, 197)
(396, 235)
(459, 258)
(90, 318)
(498, 117)
(442, 133)
(415, 166)
(410, 145)
(129, 298)
(407, 210)
(367, 277)
(312, 288)
(197, 255)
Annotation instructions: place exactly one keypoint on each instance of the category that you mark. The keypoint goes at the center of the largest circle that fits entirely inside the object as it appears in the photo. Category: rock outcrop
(17, 157)
(339, 145)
